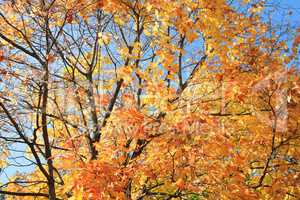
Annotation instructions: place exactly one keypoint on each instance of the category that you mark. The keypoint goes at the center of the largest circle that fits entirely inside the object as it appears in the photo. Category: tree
(151, 99)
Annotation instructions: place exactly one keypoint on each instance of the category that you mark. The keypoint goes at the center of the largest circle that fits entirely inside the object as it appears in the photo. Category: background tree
(148, 100)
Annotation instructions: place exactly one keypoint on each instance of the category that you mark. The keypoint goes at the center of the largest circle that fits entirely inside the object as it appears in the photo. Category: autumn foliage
(147, 99)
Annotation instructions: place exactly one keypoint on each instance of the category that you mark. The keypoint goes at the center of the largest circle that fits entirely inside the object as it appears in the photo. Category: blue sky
(283, 6)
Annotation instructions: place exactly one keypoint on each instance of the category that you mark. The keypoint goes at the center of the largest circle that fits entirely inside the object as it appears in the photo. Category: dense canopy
(148, 99)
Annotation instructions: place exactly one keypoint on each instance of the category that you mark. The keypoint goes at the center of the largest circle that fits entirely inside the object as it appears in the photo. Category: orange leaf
(219, 77)
(1, 56)
(180, 183)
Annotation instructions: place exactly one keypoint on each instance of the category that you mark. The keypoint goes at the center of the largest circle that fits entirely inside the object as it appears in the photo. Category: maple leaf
(151, 99)
(180, 183)
(2, 58)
